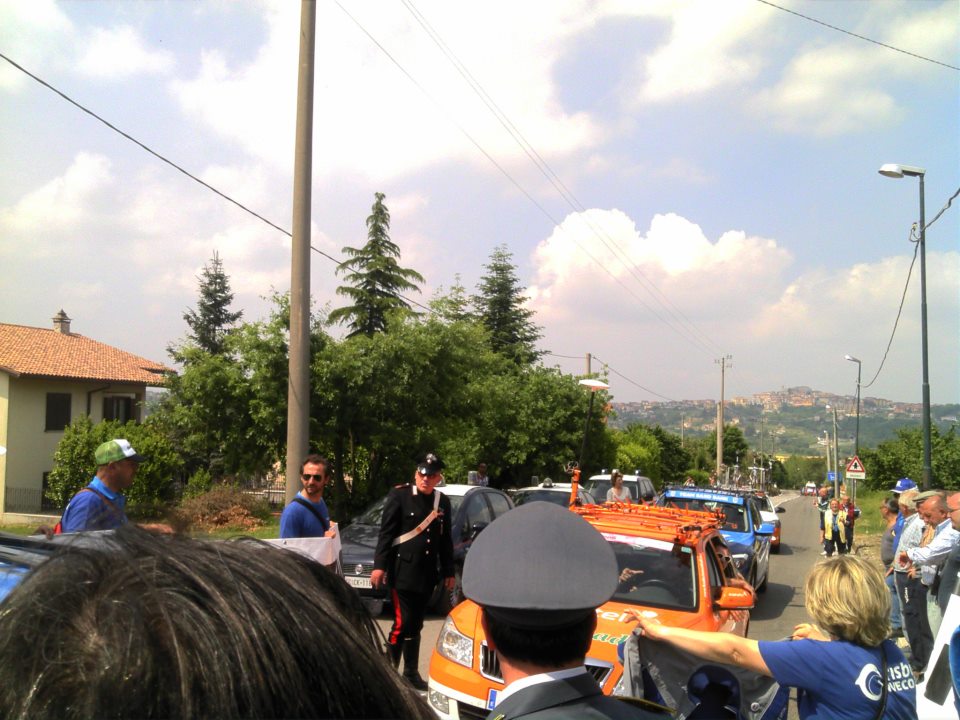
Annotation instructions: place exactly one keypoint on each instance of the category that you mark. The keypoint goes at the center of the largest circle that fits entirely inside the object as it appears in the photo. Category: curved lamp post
(856, 442)
(592, 386)
(893, 170)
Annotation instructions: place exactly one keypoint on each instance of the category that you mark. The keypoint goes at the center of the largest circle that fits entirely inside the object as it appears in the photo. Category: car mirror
(734, 598)
(766, 529)
(780, 509)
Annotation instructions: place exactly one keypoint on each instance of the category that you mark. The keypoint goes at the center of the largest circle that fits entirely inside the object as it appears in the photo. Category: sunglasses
(307, 476)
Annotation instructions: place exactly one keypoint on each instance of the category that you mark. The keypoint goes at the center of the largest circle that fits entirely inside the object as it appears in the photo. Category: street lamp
(592, 386)
(856, 442)
(898, 171)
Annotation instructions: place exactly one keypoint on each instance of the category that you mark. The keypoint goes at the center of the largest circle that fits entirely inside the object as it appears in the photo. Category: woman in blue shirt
(837, 662)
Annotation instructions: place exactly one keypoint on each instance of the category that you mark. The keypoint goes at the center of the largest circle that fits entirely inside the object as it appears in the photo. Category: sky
(677, 182)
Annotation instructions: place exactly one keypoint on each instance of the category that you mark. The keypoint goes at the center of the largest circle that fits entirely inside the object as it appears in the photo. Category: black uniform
(414, 567)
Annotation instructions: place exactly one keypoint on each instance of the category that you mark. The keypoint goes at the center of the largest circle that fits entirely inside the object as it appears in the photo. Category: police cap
(540, 566)
(430, 465)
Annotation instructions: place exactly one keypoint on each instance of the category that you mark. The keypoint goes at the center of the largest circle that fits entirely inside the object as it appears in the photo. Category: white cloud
(357, 88)
(27, 30)
(120, 52)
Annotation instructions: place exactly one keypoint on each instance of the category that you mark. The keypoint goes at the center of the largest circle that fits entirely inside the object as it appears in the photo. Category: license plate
(492, 699)
(358, 581)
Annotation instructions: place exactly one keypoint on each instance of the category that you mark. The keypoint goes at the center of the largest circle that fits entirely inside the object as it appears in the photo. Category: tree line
(463, 379)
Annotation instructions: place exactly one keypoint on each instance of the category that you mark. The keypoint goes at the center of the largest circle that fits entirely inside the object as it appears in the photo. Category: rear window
(599, 488)
(553, 496)
(734, 516)
(654, 573)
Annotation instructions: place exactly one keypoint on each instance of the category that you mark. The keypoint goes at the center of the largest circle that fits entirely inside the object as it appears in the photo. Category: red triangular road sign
(855, 465)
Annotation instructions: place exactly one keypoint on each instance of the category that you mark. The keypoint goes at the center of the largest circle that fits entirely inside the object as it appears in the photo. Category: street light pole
(592, 386)
(856, 442)
(898, 171)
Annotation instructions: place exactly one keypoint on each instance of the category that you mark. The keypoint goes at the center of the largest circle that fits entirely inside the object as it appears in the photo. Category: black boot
(411, 661)
(394, 651)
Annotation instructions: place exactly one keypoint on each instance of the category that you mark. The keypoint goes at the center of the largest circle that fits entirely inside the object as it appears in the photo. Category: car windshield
(373, 514)
(598, 488)
(557, 497)
(655, 573)
(734, 516)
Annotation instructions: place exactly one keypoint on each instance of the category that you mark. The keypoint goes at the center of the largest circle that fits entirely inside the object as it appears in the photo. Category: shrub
(220, 507)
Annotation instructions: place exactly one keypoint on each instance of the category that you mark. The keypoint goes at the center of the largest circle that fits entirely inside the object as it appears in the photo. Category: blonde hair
(847, 597)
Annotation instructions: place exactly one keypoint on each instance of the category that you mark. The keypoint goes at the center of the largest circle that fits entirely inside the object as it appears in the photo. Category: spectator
(307, 515)
(913, 595)
(481, 477)
(951, 568)
(163, 626)
(617, 492)
(842, 665)
(889, 511)
(849, 514)
(541, 629)
(903, 484)
(414, 551)
(929, 558)
(833, 530)
(101, 505)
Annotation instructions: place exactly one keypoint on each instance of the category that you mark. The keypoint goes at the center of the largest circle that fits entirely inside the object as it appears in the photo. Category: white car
(768, 514)
(641, 487)
(549, 491)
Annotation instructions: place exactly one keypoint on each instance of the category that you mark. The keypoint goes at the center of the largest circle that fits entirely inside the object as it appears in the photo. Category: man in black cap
(540, 625)
(413, 552)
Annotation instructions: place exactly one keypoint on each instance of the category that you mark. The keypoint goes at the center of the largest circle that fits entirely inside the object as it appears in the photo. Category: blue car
(747, 536)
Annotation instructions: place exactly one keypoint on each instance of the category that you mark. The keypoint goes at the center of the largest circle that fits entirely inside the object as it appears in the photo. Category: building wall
(30, 447)
(4, 405)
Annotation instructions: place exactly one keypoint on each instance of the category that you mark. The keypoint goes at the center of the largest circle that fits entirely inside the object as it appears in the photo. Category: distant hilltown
(791, 420)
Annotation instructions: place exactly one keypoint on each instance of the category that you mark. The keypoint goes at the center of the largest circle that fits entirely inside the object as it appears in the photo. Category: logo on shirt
(870, 682)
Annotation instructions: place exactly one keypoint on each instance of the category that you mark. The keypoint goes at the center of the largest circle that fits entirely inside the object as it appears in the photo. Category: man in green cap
(100, 505)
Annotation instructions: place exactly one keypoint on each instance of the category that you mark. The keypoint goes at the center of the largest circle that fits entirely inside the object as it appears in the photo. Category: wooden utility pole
(724, 363)
(298, 383)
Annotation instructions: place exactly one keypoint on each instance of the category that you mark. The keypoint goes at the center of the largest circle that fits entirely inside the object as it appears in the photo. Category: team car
(768, 513)
(549, 491)
(743, 528)
(641, 487)
(672, 563)
(473, 508)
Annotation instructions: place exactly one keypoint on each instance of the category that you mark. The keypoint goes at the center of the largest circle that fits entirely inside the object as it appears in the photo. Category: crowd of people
(160, 625)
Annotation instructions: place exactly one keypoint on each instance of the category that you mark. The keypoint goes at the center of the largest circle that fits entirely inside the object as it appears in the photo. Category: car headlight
(741, 559)
(454, 645)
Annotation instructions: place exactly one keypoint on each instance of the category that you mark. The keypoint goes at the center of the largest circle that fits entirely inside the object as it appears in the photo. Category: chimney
(61, 323)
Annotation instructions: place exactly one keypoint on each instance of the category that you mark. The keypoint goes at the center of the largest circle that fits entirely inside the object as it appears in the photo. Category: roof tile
(49, 353)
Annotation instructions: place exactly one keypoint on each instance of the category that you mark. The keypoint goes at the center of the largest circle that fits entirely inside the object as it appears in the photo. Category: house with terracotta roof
(49, 377)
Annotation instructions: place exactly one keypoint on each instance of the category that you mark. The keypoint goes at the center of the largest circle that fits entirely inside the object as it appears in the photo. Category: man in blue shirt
(307, 515)
(100, 505)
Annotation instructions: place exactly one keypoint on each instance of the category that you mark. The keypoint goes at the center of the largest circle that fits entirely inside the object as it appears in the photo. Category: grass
(869, 502)
(269, 530)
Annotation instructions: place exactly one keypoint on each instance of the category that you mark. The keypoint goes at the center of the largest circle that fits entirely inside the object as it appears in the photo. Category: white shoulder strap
(423, 525)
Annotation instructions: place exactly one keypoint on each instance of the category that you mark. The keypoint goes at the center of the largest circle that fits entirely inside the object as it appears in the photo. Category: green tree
(638, 448)
(499, 304)
(376, 278)
(212, 320)
(453, 306)
(734, 446)
(674, 459)
(903, 457)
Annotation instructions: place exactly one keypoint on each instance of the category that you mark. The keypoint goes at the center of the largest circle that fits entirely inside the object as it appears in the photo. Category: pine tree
(500, 306)
(376, 279)
(212, 320)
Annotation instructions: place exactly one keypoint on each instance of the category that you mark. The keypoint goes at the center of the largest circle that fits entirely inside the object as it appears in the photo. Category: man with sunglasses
(414, 551)
(307, 515)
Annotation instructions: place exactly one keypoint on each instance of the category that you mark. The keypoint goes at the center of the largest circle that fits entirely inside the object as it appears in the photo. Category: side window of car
(477, 511)
(498, 502)
(723, 559)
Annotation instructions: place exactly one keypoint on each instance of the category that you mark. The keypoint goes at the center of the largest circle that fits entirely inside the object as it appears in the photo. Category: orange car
(673, 563)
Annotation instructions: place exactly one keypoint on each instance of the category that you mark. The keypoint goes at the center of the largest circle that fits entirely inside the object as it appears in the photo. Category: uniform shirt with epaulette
(420, 562)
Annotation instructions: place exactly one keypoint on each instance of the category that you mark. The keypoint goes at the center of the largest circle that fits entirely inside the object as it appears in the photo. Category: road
(777, 611)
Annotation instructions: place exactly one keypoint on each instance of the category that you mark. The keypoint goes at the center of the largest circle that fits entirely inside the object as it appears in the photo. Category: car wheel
(446, 601)
(763, 585)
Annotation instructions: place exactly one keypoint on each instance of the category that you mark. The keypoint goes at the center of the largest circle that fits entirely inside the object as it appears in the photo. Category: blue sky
(715, 187)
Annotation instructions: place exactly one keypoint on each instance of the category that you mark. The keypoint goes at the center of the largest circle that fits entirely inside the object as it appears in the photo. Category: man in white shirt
(931, 557)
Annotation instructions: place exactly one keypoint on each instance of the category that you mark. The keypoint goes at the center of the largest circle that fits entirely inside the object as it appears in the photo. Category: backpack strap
(409, 535)
(316, 513)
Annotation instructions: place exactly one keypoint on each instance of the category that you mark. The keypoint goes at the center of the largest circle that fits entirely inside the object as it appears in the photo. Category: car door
(475, 514)
(761, 543)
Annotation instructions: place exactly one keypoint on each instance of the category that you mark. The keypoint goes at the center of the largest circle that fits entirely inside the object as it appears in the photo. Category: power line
(685, 325)
(180, 169)
(859, 37)
(631, 380)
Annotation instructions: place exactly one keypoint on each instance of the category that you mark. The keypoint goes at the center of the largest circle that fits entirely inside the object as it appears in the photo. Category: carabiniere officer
(414, 551)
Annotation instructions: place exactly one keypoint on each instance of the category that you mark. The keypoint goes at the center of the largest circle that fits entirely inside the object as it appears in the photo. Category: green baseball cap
(114, 450)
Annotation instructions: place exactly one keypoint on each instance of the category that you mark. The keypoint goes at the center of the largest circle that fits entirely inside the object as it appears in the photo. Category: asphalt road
(778, 610)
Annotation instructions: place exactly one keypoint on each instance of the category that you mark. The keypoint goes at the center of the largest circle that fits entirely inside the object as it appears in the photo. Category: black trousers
(913, 606)
(409, 609)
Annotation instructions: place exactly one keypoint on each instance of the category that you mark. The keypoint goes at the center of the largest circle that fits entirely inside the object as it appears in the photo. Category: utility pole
(588, 365)
(724, 363)
(298, 382)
